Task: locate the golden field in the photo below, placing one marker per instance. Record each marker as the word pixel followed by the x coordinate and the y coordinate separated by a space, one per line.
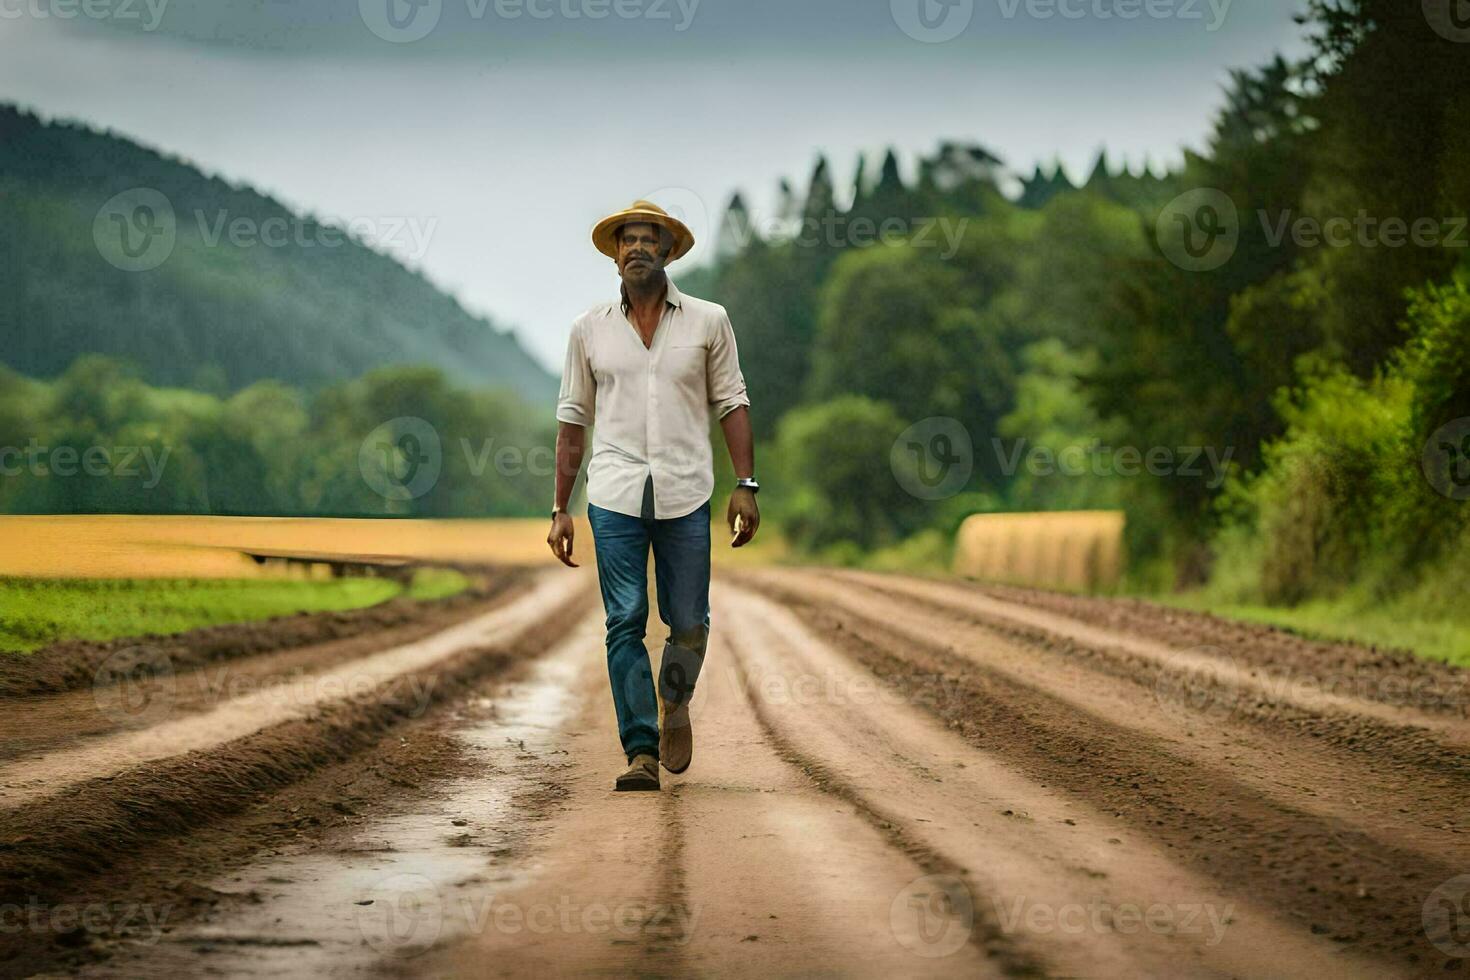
pixel 126 546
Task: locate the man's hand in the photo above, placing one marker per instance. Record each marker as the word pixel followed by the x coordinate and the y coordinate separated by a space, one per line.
pixel 560 539
pixel 742 505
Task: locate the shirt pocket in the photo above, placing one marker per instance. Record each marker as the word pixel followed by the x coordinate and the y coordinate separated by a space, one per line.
pixel 684 365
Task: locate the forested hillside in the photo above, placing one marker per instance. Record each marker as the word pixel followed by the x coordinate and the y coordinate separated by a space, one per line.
pixel 209 285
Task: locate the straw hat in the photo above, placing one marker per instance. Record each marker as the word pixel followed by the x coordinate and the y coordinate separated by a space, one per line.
pixel 645 212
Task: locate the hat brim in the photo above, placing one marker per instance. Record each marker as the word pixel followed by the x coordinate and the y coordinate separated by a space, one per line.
pixel 604 236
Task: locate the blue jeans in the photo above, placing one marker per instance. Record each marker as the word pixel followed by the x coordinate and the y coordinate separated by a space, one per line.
pixel 681 572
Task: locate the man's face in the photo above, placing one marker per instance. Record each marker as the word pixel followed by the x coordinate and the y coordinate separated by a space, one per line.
pixel 642 249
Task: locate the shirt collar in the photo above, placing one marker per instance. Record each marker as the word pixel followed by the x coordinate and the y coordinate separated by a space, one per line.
pixel 672 297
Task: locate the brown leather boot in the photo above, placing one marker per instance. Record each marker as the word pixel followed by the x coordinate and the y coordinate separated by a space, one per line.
pixel 641 774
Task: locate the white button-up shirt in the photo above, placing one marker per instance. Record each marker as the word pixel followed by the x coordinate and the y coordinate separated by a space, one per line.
pixel 649 407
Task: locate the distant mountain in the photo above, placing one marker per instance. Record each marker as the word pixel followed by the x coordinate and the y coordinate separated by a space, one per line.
pixel 110 247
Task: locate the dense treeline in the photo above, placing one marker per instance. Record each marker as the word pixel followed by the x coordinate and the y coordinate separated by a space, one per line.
pixel 1255 356
pixel 398 441
pixel 108 247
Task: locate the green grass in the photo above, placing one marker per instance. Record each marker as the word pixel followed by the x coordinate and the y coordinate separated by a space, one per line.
pixel 1402 623
pixel 436 583
pixel 36 612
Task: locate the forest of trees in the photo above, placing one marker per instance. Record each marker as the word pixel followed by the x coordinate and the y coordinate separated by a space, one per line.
pixel 1312 371
pixel 99 439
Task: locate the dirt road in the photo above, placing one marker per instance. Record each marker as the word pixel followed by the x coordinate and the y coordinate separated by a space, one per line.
pixel 893 776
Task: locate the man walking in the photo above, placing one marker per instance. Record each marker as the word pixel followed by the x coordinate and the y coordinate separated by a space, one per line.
pixel 646 372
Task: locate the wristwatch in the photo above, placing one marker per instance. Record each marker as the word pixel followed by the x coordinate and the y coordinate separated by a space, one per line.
pixel 749 483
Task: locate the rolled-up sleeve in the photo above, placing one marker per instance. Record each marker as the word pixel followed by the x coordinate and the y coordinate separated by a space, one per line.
pixel 726 383
pixel 578 397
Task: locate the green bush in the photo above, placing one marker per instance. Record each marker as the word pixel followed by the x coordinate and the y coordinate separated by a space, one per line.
pixel 1341 499
pixel 842 487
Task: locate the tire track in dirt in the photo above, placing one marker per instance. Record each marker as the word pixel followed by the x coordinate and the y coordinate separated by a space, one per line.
pixel 52 839
pixel 1302 696
pixel 1391 676
pixel 193 680
pixel 28 780
pixel 1296 770
pixel 1367 893
pixel 377 893
pixel 1060 877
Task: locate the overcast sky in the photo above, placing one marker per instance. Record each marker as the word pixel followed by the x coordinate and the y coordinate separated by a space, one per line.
pixel 486 136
